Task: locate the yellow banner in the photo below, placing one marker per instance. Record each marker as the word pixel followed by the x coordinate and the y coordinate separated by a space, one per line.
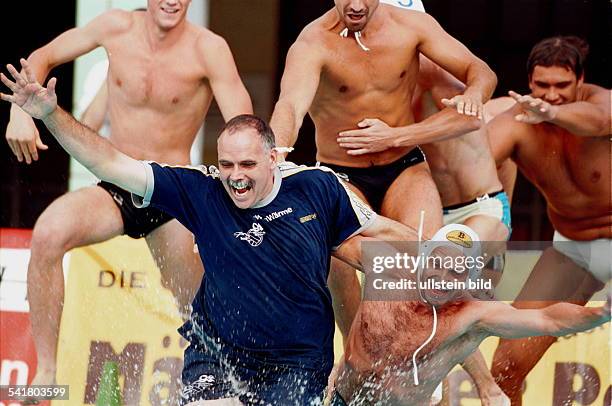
pixel 116 309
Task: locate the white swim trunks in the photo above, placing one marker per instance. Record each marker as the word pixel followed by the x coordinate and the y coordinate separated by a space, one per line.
pixel 493 205
pixel 595 256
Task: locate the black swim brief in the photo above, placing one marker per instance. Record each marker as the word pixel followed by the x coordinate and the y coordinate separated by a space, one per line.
pixel 374 181
pixel 137 223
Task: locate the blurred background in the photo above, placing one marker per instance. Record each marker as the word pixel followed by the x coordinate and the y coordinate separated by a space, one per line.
pixel 259 33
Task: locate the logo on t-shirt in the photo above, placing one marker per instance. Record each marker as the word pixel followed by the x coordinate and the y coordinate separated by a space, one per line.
pixel 254 236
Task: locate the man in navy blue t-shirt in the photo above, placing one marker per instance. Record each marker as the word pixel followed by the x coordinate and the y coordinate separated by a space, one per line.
pixel 262 326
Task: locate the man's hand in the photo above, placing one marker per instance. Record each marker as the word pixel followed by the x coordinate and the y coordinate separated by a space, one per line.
pixel 374 135
pixel 466 105
pixel 28 94
pixel 535 110
pixel 23 138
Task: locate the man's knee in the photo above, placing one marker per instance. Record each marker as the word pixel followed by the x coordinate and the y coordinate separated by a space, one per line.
pixel 49 237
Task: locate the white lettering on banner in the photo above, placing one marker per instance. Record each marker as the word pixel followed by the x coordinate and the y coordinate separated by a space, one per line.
pixel 9 367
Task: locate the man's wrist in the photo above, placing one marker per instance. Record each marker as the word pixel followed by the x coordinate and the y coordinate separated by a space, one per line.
pixel 553 112
pixel 50 115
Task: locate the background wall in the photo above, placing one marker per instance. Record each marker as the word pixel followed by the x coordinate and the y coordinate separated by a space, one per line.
pixel 260 32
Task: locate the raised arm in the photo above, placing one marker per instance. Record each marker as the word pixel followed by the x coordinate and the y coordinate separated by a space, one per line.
pixel 558 320
pixel 589 117
pixel 228 89
pixel 445 124
pixel 21 134
pixel 298 87
pixel 93 151
pixel 454 57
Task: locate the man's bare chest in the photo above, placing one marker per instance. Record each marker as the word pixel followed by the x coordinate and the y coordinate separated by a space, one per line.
pixel 158 81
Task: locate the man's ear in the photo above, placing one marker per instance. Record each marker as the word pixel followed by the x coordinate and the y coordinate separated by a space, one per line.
pixel 273 155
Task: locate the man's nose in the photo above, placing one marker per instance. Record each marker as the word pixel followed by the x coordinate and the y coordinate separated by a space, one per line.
pixel 552 95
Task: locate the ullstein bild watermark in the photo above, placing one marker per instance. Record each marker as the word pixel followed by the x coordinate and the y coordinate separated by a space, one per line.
pixel 497 271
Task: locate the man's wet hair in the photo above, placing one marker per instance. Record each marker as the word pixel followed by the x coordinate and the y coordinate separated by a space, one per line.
pixel 245 121
pixel 566 51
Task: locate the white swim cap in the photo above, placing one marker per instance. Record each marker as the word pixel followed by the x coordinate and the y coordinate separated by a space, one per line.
pixel 416 5
pixel 456 236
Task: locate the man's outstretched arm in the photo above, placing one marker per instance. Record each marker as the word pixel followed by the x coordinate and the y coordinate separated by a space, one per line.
pixel 589 117
pixel 298 87
pixel 556 320
pixel 94 152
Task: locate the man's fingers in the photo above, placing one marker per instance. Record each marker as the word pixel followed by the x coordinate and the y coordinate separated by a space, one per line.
pixel 365 123
pixel 40 144
pixel 474 110
pixel 16 75
pixel 523 118
pixel 9 83
pixel 514 95
pixel 33 152
pixel 461 107
pixel 28 71
pixel 358 151
pixel 20 156
pixel 25 150
pixel 350 145
pixel 8 98
pixel 11 144
pixel 448 102
pixel 351 133
pixel 51 87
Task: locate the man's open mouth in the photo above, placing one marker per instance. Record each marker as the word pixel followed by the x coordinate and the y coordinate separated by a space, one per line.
pixel 240 188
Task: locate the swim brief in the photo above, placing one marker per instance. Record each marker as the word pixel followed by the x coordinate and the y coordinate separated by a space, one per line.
pixel 137 223
pixel 494 204
pixel 374 181
pixel 593 256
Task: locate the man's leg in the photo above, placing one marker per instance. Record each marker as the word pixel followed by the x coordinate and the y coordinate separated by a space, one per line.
pixel 412 192
pixel 488 228
pixel 553 277
pixel 181 268
pixel 345 288
pixel 78 218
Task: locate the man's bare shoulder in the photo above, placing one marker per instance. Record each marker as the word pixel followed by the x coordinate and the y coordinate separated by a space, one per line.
pixel 115 21
pixel 317 36
pixel 207 40
pixel 408 19
pixel 317 31
pixel 595 94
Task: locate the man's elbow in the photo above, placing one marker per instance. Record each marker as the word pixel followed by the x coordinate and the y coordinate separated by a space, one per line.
pixel 41 58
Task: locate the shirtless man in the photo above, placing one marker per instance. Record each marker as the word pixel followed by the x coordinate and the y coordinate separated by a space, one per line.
pixel 162 76
pixel 386 369
pixel 338 80
pixel 559 136
pixel 465 174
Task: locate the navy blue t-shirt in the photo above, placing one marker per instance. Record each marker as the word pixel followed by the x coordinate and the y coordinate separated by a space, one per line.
pixel 265 284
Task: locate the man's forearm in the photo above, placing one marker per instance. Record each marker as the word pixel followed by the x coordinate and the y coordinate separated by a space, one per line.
pixel 583 118
pixel 284 124
pixel 443 125
pixel 569 318
pixel 481 81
